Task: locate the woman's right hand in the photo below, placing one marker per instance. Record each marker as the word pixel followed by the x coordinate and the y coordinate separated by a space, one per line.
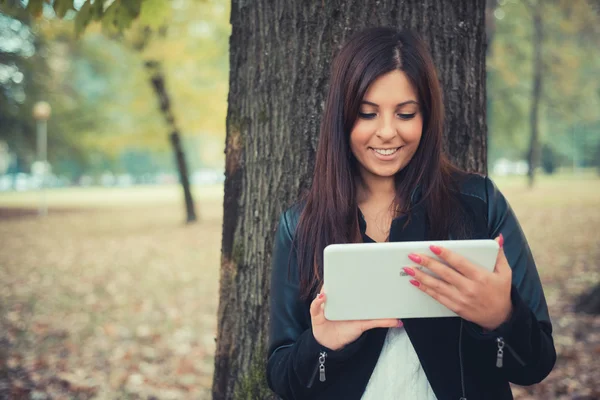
pixel 337 334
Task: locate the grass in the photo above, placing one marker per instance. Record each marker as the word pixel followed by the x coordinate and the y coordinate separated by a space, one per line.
pixel 113 296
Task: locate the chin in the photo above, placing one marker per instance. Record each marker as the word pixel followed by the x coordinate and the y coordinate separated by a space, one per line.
pixel 385 173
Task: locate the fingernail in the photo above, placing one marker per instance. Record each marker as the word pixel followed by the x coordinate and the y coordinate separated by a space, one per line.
pixel 415 283
pixel 409 271
pixel 501 240
pixel 436 250
pixel 400 324
pixel 320 296
pixel 414 258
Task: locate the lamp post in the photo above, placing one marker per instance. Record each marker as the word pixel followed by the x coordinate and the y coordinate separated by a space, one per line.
pixel 41 113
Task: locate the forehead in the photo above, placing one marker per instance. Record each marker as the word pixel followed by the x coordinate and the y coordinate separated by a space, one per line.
pixel 390 89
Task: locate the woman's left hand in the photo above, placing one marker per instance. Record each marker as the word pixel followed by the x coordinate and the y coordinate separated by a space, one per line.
pixel 473 293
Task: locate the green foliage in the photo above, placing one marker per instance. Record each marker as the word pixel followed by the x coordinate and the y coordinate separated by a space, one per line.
pixel 570 88
pixel 102 103
pixel 155 13
pixel 116 16
pixel 62 6
pixel 120 14
pixel 35 7
pixel 84 17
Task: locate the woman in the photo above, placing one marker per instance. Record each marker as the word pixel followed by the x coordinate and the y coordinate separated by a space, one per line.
pixel 380 175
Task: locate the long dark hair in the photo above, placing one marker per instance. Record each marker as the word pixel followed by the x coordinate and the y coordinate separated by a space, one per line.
pixel 330 207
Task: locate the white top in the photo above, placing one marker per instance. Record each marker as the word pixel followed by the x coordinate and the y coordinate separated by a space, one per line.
pixel 398 373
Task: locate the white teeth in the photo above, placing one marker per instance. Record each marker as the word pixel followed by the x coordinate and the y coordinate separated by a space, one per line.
pixel 386 152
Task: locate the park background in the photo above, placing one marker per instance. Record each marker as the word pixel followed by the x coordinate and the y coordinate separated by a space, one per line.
pixel 114 293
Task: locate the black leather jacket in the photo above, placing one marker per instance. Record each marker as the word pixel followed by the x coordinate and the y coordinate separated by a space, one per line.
pixel 459 359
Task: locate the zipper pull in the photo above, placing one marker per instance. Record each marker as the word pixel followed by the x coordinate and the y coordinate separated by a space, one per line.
pixel 500 355
pixel 322 366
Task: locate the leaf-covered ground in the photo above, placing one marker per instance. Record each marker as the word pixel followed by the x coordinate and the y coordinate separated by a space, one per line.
pixel 106 302
pixel 561 219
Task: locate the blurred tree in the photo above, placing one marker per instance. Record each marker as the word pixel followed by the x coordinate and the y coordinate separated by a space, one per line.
pixel 548 158
pixel 33 68
pixel 535 8
pixel 564 36
pixel 280 58
pixel 20 61
pixel 205 40
pixel 567 61
pixel 117 16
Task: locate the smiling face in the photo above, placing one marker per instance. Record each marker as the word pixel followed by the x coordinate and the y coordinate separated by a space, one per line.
pixel 388 128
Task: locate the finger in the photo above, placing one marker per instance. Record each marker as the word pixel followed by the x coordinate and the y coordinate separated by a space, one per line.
pixel 449 275
pixel 447 301
pixel 436 284
pixel 458 262
pixel 502 266
pixel 380 323
pixel 316 308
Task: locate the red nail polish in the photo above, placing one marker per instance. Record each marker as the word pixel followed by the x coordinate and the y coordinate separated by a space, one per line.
pixel 415 283
pixel 400 324
pixel 415 258
pixel 409 271
pixel 436 250
pixel 501 240
pixel 320 296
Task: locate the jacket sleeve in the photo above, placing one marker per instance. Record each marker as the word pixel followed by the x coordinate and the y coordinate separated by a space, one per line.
pixel 293 351
pixel 529 354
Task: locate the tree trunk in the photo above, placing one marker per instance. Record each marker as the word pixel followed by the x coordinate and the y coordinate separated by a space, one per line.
pixel 534 146
pixel 183 176
pixel 281 53
pixel 158 83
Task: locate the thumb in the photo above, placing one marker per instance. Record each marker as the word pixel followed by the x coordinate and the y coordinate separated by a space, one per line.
pixel 316 309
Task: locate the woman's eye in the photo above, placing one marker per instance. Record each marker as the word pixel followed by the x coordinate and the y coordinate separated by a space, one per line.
pixel 407 116
pixel 367 115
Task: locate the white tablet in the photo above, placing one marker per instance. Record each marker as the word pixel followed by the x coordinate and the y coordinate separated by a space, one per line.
pixel 366 280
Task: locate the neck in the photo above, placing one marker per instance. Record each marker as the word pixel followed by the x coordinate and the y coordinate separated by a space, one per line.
pixel 376 189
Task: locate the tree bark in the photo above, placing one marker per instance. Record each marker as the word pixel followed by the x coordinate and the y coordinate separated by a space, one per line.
pixel 280 59
pixel 533 154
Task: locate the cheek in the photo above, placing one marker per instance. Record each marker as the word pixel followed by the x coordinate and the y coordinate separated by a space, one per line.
pixel 411 134
pixel 360 135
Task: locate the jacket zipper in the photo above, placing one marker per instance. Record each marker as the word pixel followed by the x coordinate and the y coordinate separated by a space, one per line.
pixel 500 353
pixel 322 357
pixel 499 361
pixel 320 368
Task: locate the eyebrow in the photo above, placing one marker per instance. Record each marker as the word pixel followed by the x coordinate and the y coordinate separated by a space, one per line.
pixel 397 105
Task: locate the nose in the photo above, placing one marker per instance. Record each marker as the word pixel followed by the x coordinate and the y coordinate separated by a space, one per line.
pixel 386 130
